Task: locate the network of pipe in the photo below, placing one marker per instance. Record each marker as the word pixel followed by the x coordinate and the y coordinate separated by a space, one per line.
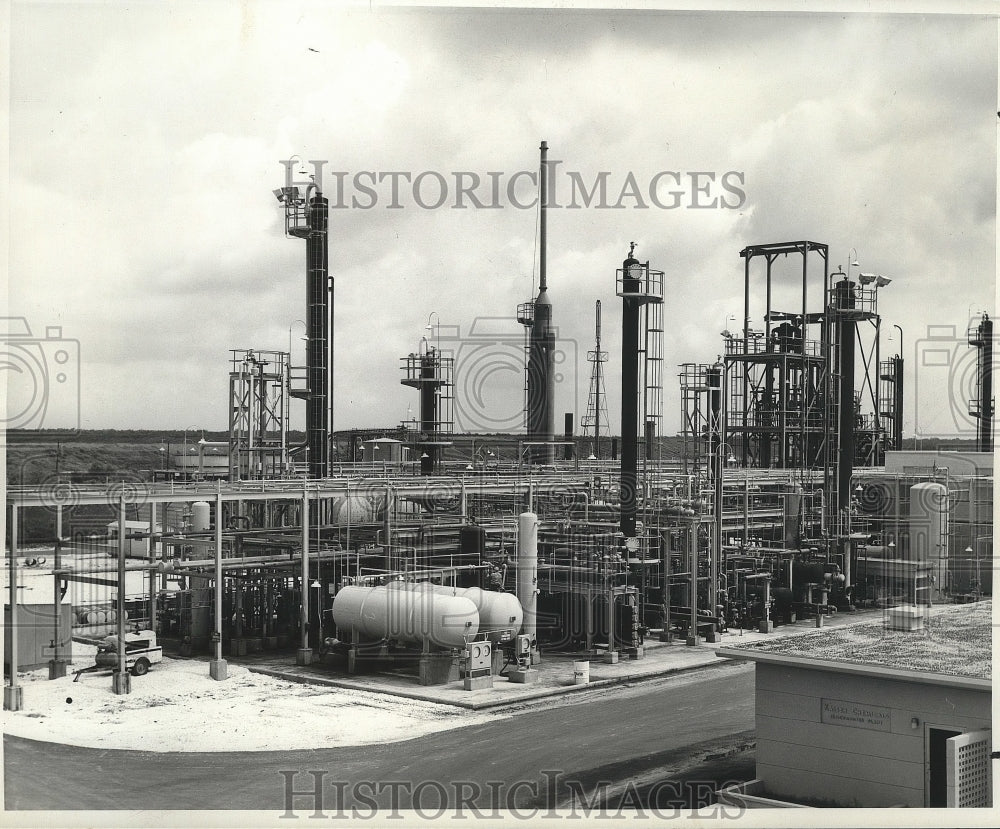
pixel 770 506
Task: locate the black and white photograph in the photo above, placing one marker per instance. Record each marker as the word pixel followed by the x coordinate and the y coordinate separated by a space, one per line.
pixel 423 413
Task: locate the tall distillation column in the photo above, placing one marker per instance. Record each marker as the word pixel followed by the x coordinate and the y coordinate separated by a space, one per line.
pixel 981 406
pixel 431 373
pixel 637 285
pixel 843 301
pixel 541 348
pixel 307 217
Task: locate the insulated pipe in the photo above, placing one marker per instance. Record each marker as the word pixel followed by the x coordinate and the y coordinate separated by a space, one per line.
pixel 630 395
pixel 121 586
pixel 527 570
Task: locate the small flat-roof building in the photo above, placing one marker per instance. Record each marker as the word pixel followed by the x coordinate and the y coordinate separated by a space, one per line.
pixel 868 715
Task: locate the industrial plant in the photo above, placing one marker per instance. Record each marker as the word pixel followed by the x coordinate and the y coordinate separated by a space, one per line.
pixel 468 560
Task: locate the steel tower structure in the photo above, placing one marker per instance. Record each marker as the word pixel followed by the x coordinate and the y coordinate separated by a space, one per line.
pixel 431 374
pixel 258 429
pixel 596 417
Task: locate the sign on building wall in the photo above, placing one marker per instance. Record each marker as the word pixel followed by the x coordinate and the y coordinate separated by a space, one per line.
pixel 854 714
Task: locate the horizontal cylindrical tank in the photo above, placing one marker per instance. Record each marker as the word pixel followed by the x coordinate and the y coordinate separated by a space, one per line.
pixel 406 612
pixel 498 612
pixel 201 516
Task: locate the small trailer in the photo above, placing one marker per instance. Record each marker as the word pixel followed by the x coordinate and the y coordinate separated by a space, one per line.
pixel 141 651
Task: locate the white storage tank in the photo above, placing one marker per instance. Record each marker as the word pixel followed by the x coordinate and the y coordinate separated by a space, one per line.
pixel 201 516
pixel 406 612
pixel 499 613
pixel 928 522
pixel 929 528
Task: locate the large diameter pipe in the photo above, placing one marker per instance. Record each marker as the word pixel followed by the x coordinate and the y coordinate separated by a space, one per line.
pixel 527 570
pixel 406 612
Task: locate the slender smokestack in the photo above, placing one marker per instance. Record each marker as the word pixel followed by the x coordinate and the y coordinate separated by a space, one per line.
pixel 543 195
pixel 541 348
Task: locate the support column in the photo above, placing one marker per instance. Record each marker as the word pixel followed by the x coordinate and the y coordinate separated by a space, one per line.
pixel 121 680
pixel 57 665
pixel 303 656
pixel 692 637
pixel 13 696
pixel 152 562
pixel 217 667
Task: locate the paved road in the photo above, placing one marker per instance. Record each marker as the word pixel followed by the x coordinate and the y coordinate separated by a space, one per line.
pixel 631 729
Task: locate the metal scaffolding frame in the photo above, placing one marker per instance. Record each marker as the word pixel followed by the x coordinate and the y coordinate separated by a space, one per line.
pixel 258 414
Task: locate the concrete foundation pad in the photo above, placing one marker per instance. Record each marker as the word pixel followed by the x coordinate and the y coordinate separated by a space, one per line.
pixel 13 698
pixel 693 641
pixel 475 683
pixel 766 626
pixel 636 653
pixel 303 656
pixel 610 658
pixel 57 668
pixel 713 637
pixel 554 675
pixel 218 669
pixel 666 636
pixel 121 683
pixel 438 669
pixel 523 676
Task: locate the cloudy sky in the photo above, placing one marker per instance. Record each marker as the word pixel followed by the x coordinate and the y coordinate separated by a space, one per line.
pixel 146 139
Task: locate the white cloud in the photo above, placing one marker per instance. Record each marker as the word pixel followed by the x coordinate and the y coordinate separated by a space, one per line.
pixel 143 159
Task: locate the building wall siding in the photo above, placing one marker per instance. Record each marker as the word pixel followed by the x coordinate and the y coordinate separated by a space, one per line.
pixel 800 756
